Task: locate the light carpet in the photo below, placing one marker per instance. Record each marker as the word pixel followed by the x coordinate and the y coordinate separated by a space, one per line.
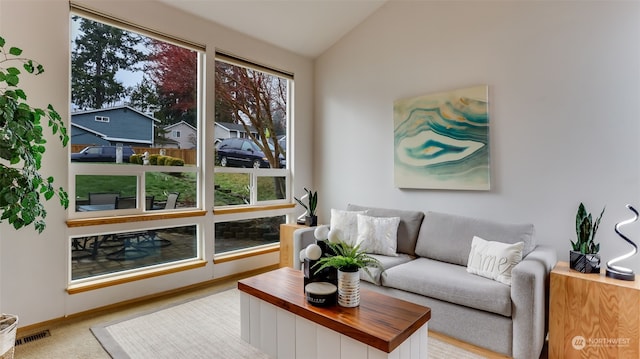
pixel 207 327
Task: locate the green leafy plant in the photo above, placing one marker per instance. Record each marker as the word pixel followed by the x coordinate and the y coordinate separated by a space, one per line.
pixel 312 199
pixel 347 258
pixel 22 144
pixel 586 230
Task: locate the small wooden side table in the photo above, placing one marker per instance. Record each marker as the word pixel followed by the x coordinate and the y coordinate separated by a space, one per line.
pixel 593 316
pixel 286 243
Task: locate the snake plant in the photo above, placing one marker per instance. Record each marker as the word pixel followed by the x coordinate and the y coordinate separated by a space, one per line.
pixel 586 230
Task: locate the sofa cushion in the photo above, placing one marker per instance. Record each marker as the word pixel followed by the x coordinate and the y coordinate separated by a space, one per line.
pixel 494 260
pixel 408 228
pixel 451 283
pixel 378 235
pixel 387 262
pixel 347 223
pixel 448 237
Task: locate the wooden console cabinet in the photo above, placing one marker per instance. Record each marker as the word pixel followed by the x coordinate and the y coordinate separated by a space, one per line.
pixel 593 316
pixel 286 243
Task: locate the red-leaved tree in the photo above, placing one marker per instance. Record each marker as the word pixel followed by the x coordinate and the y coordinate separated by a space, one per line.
pixel 174 71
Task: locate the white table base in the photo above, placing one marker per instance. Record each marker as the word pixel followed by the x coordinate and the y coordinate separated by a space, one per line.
pixel 282 334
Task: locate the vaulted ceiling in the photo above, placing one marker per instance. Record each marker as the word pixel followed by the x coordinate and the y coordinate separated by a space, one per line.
pixel 306 27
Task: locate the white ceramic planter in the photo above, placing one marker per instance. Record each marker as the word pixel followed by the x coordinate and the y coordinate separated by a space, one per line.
pixel 349 288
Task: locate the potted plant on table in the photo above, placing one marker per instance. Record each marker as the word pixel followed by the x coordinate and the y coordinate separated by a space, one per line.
pixel 311 219
pixel 584 256
pixel 348 260
pixel 21 147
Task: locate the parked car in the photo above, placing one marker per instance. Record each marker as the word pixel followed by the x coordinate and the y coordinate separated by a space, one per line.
pixel 101 154
pixel 243 152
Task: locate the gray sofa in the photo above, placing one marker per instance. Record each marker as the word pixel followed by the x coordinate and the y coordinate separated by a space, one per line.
pixel 431 269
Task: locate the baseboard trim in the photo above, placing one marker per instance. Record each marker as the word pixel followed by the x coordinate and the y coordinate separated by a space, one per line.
pixel 28 329
pixel 466 346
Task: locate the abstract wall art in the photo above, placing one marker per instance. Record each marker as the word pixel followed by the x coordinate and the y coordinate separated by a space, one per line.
pixel 441 141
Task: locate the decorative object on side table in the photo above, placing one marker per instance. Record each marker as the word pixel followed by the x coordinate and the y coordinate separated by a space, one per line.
pixel 585 255
pixel 348 260
pixel 310 217
pixel 618 272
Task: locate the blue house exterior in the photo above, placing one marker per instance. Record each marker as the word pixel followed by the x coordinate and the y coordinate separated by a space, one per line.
pixel 112 126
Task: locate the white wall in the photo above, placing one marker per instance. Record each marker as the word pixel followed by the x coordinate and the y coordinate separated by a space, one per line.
pixel 564 82
pixel 34 268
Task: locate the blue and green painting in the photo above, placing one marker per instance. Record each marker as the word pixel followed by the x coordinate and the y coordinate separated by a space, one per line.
pixel 441 141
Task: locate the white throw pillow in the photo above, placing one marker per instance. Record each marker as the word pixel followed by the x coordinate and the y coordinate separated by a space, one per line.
pixel 378 235
pixel 494 260
pixel 347 223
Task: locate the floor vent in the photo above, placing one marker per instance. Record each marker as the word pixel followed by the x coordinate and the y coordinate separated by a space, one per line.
pixel 33 337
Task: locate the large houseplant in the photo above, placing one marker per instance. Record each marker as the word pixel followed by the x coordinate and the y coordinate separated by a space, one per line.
pixel 584 256
pixel 22 144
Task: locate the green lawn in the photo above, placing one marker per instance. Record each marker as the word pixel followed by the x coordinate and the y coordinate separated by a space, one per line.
pixel 231 188
pixel 158 184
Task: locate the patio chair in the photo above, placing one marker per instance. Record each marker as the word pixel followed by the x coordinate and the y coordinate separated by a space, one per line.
pixel 172 200
pixel 170 203
pixel 149 203
pixel 103 198
pixel 126 202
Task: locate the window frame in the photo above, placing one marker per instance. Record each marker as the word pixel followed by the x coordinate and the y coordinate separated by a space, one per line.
pixel 262 172
pixel 137 171
pixel 76 168
pixel 135 219
pixel 257 209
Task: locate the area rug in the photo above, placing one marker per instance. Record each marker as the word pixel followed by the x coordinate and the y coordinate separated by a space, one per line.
pixel 208 327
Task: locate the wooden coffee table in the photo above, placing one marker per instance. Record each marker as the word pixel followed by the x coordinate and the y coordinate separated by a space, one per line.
pixel 276 318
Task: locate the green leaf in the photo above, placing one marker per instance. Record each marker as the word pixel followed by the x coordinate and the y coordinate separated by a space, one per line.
pixel 21 94
pixel 2 42
pixel 13 71
pixel 15 51
pixel 12 80
pixel 28 66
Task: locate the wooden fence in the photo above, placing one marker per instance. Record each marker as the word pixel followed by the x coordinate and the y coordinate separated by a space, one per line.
pixel 188 156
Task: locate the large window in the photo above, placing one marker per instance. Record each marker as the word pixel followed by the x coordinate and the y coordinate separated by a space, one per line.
pixel 129 91
pixel 252 168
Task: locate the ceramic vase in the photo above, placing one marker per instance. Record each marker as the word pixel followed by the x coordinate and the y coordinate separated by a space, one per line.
pixel 311 221
pixel 585 263
pixel 348 288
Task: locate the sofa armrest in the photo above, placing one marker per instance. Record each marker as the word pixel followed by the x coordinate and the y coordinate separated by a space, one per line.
pixel 530 300
pixel 301 239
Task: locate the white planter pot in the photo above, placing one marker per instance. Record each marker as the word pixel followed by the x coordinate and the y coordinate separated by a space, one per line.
pixel 8 326
pixel 349 288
